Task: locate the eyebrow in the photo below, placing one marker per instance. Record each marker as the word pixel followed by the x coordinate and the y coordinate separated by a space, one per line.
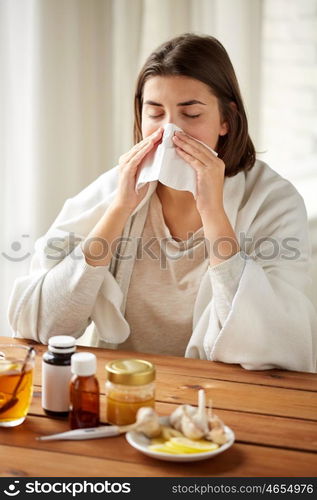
pixel 186 103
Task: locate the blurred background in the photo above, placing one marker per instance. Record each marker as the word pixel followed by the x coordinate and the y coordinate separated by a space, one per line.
pixel 67 75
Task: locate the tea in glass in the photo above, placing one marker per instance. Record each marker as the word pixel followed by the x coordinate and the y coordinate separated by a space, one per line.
pixel 16 387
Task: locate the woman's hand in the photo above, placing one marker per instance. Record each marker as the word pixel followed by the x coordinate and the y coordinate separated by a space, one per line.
pixel 127 199
pixel 210 172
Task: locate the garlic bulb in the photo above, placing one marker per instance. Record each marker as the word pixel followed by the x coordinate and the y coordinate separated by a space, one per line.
pixel 194 426
pixel 147 421
pixel 197 423
pixel 177 415
pixel 191 428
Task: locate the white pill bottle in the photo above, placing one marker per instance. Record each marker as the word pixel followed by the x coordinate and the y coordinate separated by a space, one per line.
pixel 56 375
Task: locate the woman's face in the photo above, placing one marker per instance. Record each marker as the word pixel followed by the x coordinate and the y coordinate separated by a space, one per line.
pixel 184 101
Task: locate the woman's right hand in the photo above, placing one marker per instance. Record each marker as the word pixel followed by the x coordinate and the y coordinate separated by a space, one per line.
pixel 127 198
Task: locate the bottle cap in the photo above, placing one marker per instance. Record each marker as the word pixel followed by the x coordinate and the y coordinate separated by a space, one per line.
pixel 83 364
pixel 62 344
pixel 130 371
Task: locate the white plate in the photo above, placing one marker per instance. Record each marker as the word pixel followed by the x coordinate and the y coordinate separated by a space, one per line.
pixel 141 443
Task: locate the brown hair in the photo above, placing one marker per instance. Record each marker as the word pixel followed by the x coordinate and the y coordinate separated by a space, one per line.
pixel 205 59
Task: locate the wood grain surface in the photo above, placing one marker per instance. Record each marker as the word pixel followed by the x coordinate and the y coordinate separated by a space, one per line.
pixel 273 414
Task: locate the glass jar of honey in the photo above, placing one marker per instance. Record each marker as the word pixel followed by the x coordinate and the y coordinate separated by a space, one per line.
pixel 130 385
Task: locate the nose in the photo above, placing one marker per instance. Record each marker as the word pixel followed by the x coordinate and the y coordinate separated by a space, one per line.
pixel 170 119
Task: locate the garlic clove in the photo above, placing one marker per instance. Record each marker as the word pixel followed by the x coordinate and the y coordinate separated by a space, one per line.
pixel 217 436
pixel 214 422
pixel 169 432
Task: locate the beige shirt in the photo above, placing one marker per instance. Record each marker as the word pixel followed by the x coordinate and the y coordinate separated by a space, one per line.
pixel 163 287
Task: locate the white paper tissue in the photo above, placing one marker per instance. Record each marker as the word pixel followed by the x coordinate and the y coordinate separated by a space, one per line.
pixel 165 165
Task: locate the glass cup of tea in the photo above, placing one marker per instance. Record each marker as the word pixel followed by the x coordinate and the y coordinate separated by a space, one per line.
pixel 16 383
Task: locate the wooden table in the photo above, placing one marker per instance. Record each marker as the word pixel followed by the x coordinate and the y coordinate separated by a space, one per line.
pixel 273 414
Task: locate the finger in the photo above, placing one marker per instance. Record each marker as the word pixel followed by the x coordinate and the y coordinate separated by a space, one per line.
pixel 192 151
pixel 155 136
pixel 147 144
pixel 139 155
pixel 193 147
pixel 193 161
pixel 125 158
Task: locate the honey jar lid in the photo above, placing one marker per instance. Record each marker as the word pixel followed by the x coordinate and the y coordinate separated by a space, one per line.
pixel 130 371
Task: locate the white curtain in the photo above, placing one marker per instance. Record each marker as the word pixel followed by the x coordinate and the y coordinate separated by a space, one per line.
pixel 67 76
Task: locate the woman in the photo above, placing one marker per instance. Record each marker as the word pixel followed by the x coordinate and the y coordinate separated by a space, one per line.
pixel 237 291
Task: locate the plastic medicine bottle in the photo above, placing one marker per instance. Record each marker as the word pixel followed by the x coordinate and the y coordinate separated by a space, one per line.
pixel 56 375
pixel 84 392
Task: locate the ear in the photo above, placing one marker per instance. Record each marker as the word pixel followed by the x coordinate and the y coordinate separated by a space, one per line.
pixel 224 127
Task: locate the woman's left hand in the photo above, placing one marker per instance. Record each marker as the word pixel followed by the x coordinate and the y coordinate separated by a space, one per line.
pixel 210 172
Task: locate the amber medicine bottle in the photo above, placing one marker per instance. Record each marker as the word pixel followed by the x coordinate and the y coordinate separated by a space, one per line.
pixel 84 392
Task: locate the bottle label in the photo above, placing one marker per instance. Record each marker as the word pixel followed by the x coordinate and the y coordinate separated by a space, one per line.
pixel 55 387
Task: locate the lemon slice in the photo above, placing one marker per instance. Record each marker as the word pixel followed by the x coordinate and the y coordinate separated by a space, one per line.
pixel 162 448
pixel 182 445
pixel 185 445
pixel 7 366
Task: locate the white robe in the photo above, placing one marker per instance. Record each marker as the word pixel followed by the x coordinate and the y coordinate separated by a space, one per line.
pixel 271 322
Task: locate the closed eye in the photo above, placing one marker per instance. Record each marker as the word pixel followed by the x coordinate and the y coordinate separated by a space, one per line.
pixel 184 114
